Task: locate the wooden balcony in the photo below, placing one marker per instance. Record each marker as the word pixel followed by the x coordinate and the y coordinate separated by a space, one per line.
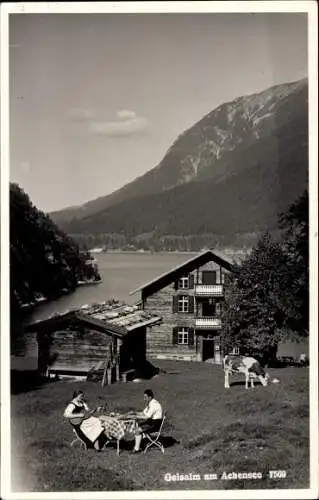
pixel 211 322
pixel 209 290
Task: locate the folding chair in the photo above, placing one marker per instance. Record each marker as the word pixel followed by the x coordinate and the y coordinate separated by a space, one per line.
pixel 78 439
pixel 153 438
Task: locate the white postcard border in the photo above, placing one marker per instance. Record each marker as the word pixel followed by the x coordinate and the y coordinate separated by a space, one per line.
pixel 309 7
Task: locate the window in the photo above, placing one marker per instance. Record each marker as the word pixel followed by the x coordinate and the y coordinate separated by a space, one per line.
pixel 182 338
pixel 235 350
pixel 209 277
pixel 183 282
pixel 182 304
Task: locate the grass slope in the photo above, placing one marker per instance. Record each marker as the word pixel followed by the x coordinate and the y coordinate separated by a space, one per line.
pixel 209 430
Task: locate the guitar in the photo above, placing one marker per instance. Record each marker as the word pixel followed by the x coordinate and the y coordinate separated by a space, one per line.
pixel 84 415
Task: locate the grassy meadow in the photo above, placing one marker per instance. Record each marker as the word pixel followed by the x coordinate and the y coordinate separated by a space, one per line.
pixel 209 430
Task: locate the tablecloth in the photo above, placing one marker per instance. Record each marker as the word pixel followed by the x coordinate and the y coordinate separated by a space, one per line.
pixel 116 428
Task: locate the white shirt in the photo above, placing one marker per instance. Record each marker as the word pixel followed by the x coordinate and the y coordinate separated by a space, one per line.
pixel 153 410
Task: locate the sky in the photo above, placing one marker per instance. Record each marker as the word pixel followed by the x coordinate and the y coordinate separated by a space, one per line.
pixel 96 100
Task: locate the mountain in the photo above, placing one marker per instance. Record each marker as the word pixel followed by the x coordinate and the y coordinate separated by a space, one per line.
pixel 232 172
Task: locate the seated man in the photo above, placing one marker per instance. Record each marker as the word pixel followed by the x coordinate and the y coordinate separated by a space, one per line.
pixel 153 414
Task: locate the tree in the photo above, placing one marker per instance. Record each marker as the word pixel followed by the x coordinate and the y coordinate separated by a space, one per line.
pixel 252 314
pixel 267 298
pixel 295 301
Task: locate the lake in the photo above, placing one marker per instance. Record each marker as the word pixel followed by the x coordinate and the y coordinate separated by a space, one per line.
pixel 122 272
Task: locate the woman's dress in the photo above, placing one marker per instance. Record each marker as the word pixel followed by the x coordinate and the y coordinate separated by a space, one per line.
pixel 91 426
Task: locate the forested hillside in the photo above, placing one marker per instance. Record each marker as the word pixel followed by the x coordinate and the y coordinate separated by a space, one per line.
pixel 44 261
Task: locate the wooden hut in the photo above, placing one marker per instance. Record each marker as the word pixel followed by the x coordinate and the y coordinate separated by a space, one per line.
pixel 107 336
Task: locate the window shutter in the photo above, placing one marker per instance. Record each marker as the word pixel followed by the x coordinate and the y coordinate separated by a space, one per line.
pixel 191 337
pixel 191 304
pixel 191 281
pixel 175 335
pixel 175 299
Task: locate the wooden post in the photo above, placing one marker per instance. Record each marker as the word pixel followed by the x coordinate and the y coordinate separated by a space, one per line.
pixel 109 376
pixel 117 368
pixel 118 358
pixel 108 365
pixel 104 374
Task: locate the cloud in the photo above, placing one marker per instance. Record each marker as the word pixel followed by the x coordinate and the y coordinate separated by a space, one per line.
pixel 125 114
pixel 127 124
pixel 80 114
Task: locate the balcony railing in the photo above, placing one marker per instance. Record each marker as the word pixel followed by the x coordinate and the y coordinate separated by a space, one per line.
pixel 208 322
pixel 209 290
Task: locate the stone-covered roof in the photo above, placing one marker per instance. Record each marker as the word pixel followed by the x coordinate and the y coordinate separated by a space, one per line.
pixel 111 317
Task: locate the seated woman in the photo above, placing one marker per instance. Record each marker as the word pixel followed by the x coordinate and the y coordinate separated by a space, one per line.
pixel 153 415
pixel 88 428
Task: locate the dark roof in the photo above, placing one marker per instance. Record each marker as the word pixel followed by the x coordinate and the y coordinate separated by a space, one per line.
pixel 64 320
pixel 165 279
pixel 113 319
pixel 102 326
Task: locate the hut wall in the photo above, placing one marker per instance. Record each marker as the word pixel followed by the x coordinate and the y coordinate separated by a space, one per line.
pixel 73 350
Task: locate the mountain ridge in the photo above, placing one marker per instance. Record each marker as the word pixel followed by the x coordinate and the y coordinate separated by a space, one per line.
pixel 234 171
pixel 161 177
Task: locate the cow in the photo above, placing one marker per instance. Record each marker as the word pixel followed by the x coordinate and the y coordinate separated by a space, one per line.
pixel 303 359
pixel 247 365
